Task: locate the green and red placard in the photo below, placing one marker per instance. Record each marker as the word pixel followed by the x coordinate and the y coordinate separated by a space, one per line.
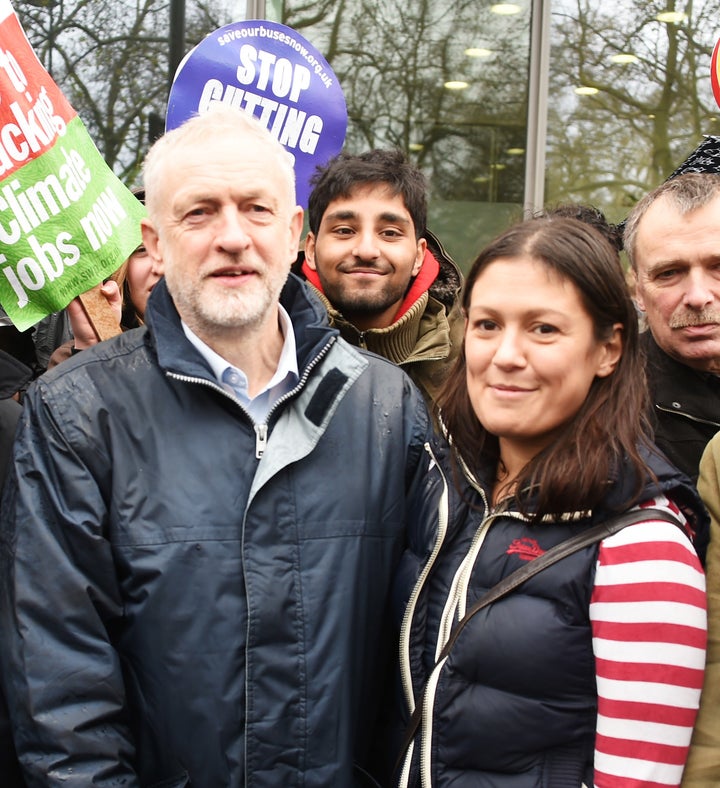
pixel 66 221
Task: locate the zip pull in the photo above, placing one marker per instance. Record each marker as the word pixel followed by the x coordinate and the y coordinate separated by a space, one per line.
pixel 260 439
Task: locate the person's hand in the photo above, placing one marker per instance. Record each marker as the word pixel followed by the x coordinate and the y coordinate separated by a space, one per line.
pixel 82 328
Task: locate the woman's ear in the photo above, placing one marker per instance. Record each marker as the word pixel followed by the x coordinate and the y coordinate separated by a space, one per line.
pixel 611 352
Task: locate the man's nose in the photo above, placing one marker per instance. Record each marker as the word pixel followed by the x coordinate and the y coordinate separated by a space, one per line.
pixel 699 292
pixel 232 234
pixel 366 247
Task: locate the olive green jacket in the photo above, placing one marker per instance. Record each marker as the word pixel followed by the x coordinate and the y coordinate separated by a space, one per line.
pixel 703 765
pixel 424 341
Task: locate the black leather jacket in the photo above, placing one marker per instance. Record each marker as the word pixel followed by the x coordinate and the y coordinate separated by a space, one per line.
pixel 685 407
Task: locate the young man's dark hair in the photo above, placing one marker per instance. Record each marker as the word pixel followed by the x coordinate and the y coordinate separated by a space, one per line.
pixel 342 174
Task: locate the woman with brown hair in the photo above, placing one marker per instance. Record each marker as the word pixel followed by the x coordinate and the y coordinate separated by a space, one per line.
pixel 589 673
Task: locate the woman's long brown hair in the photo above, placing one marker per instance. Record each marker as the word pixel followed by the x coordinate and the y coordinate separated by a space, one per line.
pixel 572 473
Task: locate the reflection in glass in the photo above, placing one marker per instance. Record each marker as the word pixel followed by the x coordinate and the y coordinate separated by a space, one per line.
pixel 653 101
pixel 629 97
pixel 445 82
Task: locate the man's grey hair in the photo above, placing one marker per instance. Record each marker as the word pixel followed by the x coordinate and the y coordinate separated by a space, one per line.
pixel 219 120
pixel 685 193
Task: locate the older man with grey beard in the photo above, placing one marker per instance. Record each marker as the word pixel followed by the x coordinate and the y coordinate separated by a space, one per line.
pixel 203 517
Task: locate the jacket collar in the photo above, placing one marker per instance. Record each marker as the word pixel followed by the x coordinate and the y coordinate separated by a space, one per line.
pixel 176 354
pixel 419 285
pixel 671 379
pixel 423 332
pixel 664 478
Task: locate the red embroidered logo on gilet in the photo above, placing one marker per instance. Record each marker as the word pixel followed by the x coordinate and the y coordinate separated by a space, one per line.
pixel 525 548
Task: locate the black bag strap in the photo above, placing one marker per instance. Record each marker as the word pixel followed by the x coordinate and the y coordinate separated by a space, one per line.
pixel 508 584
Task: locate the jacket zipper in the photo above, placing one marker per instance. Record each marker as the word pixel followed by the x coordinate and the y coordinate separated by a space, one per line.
pixel 687 416
pixel 428 699
pixel 261 430
pixel 405 626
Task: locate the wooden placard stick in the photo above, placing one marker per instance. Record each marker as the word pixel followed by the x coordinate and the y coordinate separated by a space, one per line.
pixel 99 313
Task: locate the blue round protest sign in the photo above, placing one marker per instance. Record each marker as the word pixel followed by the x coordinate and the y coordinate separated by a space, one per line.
pixel 269 71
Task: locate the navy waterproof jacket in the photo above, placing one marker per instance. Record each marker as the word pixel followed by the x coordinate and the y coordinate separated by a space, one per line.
pixel 186 600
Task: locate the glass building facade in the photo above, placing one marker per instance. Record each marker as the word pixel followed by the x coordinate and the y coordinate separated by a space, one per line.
pixel 511 106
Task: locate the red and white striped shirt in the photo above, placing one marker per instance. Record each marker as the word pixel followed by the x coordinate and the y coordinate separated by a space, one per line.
pixel 649 625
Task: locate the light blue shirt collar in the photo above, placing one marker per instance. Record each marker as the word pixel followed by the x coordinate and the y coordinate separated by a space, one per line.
pixel 234 380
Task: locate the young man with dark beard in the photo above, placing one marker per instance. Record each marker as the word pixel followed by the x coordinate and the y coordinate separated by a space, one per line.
pixel 385 280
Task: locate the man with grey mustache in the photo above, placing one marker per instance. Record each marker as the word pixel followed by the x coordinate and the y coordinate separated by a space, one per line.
pixel 672 239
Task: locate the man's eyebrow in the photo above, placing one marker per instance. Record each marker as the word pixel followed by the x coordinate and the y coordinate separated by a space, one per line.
pixel 653 268
pixel 346 215
pixel 667 262
pixel 394 218
pixel 182 202
pixel 711 258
